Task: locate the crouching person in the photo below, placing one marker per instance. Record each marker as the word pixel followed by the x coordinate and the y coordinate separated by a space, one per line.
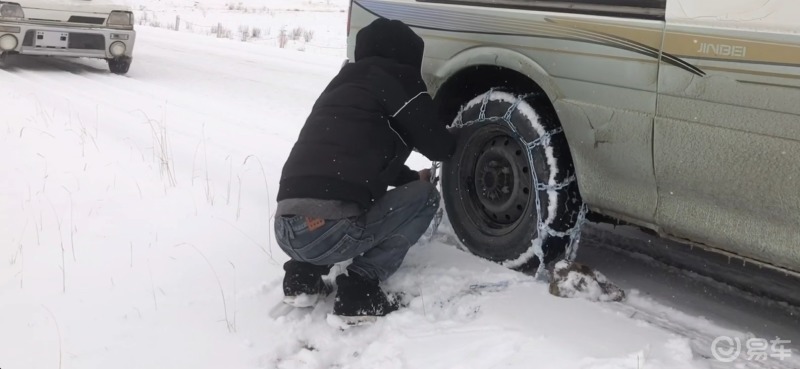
pixel 333 203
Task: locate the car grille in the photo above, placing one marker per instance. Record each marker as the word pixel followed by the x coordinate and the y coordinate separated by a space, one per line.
pixel 87 20
pixel 77 40
pixel 75 19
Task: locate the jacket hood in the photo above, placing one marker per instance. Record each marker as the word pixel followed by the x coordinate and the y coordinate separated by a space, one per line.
pixel 390 39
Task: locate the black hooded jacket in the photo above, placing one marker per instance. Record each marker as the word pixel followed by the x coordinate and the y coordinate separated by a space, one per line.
pixel 363 127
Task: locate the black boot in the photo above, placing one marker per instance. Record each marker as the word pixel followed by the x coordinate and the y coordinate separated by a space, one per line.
pixel 360 299
pixel 303 284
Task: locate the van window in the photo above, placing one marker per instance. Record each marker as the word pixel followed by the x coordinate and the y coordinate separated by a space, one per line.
pixel 648 9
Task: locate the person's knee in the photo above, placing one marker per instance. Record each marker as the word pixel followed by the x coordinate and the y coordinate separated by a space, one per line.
pixel 428 195
pixel 432 192
pixel 431 204
pixel 422 196
pixel 433 199
pixel 434 195
pixel 425 189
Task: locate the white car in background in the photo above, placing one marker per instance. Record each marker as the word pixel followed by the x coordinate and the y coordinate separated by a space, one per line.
pixel 68 28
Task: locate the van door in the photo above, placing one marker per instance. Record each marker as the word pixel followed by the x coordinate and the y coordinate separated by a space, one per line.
pixel 727 131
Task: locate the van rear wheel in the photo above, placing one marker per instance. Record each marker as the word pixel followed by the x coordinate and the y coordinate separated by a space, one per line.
pixel 510 190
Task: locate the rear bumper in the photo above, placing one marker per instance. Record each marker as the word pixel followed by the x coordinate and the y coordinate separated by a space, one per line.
pixel 89 42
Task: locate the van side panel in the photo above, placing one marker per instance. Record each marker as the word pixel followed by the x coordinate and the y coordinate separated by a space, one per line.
pixel 599 72
pixel 727 140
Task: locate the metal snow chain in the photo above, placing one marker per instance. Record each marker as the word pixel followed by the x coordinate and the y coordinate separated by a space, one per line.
pixel 545 138
pixel 557 186
pixel 573 233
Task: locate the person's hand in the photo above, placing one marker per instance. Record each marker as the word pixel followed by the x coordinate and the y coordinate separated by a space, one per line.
pixel 425 175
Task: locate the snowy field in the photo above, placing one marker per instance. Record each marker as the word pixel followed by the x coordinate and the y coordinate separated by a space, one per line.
pixel 317 26
pixel 135 216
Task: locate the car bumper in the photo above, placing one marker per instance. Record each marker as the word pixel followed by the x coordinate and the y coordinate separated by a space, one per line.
pixel 89 42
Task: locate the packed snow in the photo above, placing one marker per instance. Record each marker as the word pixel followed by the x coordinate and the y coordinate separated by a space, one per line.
pixel 136 216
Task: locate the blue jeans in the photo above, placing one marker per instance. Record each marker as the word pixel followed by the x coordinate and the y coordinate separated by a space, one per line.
pixel 377 240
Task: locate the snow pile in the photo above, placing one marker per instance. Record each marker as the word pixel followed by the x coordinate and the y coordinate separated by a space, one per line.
pixel 572 279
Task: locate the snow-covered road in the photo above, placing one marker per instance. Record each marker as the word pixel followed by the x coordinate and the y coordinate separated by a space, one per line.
pixel 136 233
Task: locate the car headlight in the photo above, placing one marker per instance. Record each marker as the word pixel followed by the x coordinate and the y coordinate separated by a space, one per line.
pixel 11 11
pixel 8 42
pixel 120 19
pixel 117 49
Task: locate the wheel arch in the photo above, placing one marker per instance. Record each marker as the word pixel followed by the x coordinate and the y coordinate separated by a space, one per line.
pixel 476 70
pixel 472 72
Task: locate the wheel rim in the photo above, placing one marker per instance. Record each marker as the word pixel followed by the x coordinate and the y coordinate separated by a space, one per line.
pixel 499 182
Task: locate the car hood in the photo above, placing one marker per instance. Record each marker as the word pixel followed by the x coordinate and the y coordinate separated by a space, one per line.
pixel 32 7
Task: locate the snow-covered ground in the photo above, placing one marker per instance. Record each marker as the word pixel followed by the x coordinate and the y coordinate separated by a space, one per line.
pixel 135 216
